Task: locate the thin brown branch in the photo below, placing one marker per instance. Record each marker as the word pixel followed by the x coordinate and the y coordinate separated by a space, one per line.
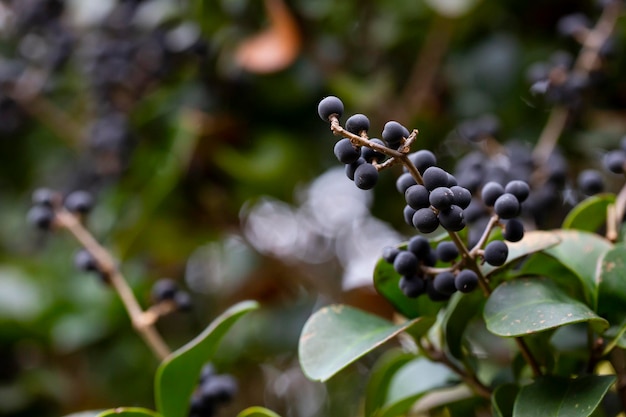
pixel 108 267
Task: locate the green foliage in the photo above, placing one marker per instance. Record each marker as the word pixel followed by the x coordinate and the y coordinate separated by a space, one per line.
pixel 257 412
pixel 590 214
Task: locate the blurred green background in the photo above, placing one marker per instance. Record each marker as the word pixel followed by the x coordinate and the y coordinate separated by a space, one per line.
pixel 194 124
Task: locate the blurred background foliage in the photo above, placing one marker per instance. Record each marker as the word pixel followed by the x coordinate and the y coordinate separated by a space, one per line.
pixel 194 123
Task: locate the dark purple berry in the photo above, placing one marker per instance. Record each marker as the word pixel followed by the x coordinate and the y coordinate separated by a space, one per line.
pixel 44 197
pixel 590 182
pixel 408 213
pixel 365 176
pixel 432 292
pixel 404 181
pixel 452 219
pixel 496 253
pixel 513 230
pixel 412 286
pixel 79 202
pixel 435 177
pixel 447 251
pixel 441 198
pixel 164 289
pixel 329 106
pixel 444 283
pixel 357 123
pixel 183 302
pixel 393 133
pixel 84 261
pixel 345 152
pixel 419 246
pixel 519 189
pixel 423 159
pixel 466 281
pixel 405 263
pixel 490 193
pixel 462 196
pixel 370 155
pixel 615 161
pixel 218 389
pixel 425 220
pixel 417 196
pixel 507 206
pixel 350 168
pixel 41 217
pixel 390 253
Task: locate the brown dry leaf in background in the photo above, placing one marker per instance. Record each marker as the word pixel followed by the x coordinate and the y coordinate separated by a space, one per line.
pixel 274 48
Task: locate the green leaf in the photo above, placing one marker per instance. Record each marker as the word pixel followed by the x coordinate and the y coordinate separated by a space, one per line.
pixel 580 252
pixel 552 396
pixel 590 214
pixel 412 381
pixel 337 335
pixel 128 412
pixel 257 412
pixel 611 288
pixel 503 400
pixel 386 282
pixel 530 305
pixel 541 264
pixel 381 376
pixel 177 375
pixel 533 241
pixel 460 311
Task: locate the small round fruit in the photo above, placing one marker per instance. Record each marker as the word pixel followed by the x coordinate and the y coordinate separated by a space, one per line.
pixel 408 213
pixel 350 168
pixel 444 283
pixel 507 206
pixel 79 202
pixel 393 133
pixel 462 196
pixel 435 177
pixel 420 246
pixel 412 286
pixel 447 251
pixel 615 161
pixel 405 263
pixel 164 289
pixel 590 182
pixel 417 196
pixel 433 294
pixel 218 389
pixel 41 217
pixel 357 123
pixel 370 155
pixel 328 106
pixel 423 159
pixel 452 219
pixel 365 176
pixel 441 198
pixel 390 253
pixel 84 261
pixel 425 220
pixel 44 197
pixel 404 181
pixel 496 252
pixel 183 302
pixel 490 193
pixel 513 230
pixel 466 281
pixel 519 189
pixel 345 152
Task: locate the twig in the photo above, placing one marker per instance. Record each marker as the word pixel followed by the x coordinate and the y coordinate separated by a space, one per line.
pixel 107 266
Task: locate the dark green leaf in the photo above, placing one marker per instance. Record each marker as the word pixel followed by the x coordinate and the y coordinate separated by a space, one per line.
pixel 530 305
pixel 541 264
pixel 611 288
pixel 335 336
pixel 460 311
pixel 380 378
pixel 590 214
pixel 128 412
pixel 503 399
pixel 561 397
pixel 533 241
pixel 177 376
pixel 257 412
pixel 412 381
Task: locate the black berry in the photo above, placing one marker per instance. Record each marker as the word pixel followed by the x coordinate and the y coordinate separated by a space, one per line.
pixel 423 159
pixel 513 230
pixel 417 196
pixel 404 181
pixel 41 217
pixel 496 253
pixel 507 206
pixel 350 168
pixel 435 177
pixel 412 286
pixel 466 281
pixel 329 106
pixel 357 123
pixel 432 292
pixel 44 197
pixel 447 251
pixel 345 152
pixel 452 219
pixel 419 246
pixel 183 302
pixel 408 213
pixel 365 176
pixel 441 198
pixel 490 193
pixel 405 263
pixel 79 202
pixel 425 220
pixel 462 196
pixel 393 133
pixel 519 189
pixel 164 289
pixel 615 161
pixel 390 253
pixel 84 261
pixel 370 154
pixel 590 182
pixel 444 283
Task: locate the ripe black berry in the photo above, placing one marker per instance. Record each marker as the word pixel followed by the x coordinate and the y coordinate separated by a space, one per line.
pixel 590 182
pixel 466 281
pixel 433 294
pixel 462 196
pixel 423 159
pixel 365 176
pixel 419 246
pixel 370 154
pixel 345 152
pixel 357 123
pixel 435 177
pixel 615 161
pixel 329 106
pixel 218 389
pixel 425 220
pixel 452 219
pixel 496 253
pixel 350 168
pixel 405 263
pixel 44 197
pixel 164 289
pixel 452 180
pixel 507 206
pixel 513 230
pixel 490 193
pixel 41 217
pixel 390 253
pixel 79 202
pixel 183 302
pixel 519 189
pixel 393 132
pixel 404 181
pixel 447 251
pixel 412 286
pixel 441 198
pixel 417 196
pixel 408 213
pixel 570 24
pixel 444 283
pixel 84 261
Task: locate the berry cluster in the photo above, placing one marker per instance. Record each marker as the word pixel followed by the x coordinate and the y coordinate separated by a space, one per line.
pixel 166 290
pixel 46 201
pixel 213 391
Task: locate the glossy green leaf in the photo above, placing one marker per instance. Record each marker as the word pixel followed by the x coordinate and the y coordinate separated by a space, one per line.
pixel 530 305
pixel 544 265
pixel 590 214
pixel 177 375
pixel 337 335
pixel 460 311
pixel 552 396
pixel 412 381
pixel 381 376
pixel 503 400
pixel 257 412
pixel 581 252
pixel 386 282
pixel 533 241
pixel 611 288
pixel 128 412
